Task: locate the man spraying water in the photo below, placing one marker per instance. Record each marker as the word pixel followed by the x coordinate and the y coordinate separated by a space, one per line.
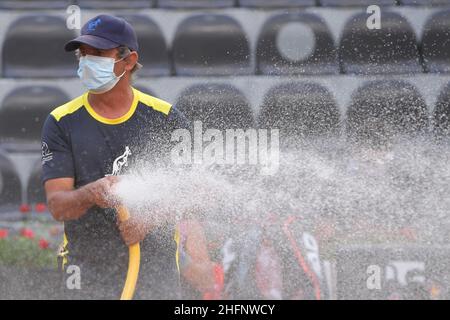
pixel 92 139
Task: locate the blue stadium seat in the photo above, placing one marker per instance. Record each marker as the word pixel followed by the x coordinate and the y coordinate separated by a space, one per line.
pixel 195 4
pixel 34 48
pixel 10 186
pixel 436 42
pixel 34 4
pixel 277 4
pixel 211 44
pixel 35 189
pixel 23 112
pixel 116 4
pixel 390 50
pixel 362 3
pixel 382 110
pixel 218 106
pixel 441 114
pixel 153 51
pixel 424 2
pixel 296 43
pixel 299 110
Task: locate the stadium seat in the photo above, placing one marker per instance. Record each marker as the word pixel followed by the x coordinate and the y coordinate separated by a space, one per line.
pixel 10 186
pixel 218 106
pixel 383 110
pixel 23 112
pixel 195 4
pixel 116 4
pixel 296 43
pixel 153 52
pixel 389 50
pixel 299 110
pixel 277 4
pixel 34 48
pixel 436 42
pixel 34 4
pixel 211 44
pixel 362 3
pixel 441 114
pixel 35 189
pixel 424 2
pixel 144 89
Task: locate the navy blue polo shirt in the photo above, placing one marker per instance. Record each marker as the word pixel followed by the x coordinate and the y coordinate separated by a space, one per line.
pixel 79 143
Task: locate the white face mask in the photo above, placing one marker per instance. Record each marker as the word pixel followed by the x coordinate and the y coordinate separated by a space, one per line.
pixel 97 73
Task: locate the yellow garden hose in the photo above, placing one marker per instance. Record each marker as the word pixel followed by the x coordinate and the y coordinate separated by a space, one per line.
pixel 133 262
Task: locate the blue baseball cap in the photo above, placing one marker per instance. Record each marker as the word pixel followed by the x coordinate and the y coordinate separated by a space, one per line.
pixel 105 32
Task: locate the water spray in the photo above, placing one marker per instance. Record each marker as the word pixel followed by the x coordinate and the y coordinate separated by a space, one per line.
pixel 134 258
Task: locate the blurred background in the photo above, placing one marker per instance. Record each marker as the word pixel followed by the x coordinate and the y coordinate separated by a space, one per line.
pixel 266 58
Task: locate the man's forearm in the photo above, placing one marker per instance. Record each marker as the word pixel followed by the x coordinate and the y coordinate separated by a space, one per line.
pixel 71 205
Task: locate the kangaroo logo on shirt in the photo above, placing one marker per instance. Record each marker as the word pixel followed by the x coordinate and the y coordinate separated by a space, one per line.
pixel 120 162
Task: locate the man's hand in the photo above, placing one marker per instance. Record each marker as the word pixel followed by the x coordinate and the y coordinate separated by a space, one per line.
pixel 134 229
pixel 100 192
pixel 67 203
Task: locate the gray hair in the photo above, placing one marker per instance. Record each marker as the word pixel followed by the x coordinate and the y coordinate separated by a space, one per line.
pixel 124 52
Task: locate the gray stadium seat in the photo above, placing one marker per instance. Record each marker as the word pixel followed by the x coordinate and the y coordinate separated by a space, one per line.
pixel 153 52
pixel 389 50
pixel 277 4
pixel 144 89
pixel 382 110
pixel 195 4
pixel 211 44
pixel 34 48
pixel 299 110
pixel 10 187
pixel 424 2
pixel 441 114
pixel 35 189
pixel 34 4
pixel 296 43
pixel 218 106
pixel 436 42
pixel 23 112
pixel 116 4
pixel 362 3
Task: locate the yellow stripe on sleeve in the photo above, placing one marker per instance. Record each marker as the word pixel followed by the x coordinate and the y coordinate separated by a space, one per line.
pixel 155 103
pixel 68 108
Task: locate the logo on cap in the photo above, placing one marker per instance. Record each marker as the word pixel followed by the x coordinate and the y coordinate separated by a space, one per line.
pixel 93 24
